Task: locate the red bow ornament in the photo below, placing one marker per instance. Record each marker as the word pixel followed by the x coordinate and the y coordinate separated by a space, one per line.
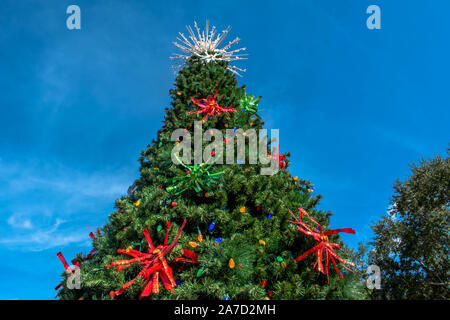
pixel 155 265
pixel 209 107
pixel 324 246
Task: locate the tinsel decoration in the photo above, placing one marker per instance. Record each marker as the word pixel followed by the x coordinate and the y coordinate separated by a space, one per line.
pixel 92 236
pixel 205 45
pixel 197 177
pixel 66 267
pixel 155 265
pixel 324 245
pixel 249 104
pixel 281 159
pixel 210 108
pixel 76 263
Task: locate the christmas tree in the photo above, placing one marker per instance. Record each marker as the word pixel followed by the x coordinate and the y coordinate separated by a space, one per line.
pixel 212 230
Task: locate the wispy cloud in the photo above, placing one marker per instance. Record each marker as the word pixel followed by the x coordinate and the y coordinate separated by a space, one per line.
pixel 46 205
pixel 44 238
pixel 19 222
pixel 33 175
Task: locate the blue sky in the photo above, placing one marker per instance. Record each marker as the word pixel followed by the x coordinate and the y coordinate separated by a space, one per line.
pixel 354 107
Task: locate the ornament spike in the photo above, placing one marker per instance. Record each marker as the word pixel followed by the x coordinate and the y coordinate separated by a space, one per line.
pixel 204 44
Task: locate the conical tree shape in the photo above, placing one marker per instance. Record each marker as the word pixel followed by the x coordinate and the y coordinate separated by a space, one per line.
pixel 238 225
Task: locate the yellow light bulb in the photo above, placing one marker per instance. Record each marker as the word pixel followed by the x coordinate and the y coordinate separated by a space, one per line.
pixel 193 244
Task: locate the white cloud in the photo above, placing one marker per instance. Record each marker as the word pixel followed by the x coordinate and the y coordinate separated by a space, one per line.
pixel 19 222
pixel 49 205
pixel 61 179
pixel 45 238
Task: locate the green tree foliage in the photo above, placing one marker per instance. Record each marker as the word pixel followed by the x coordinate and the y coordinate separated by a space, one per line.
pixel 411 244
pixel 244 206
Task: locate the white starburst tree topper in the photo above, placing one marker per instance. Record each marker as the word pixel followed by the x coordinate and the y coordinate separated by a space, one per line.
pixel 205 45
